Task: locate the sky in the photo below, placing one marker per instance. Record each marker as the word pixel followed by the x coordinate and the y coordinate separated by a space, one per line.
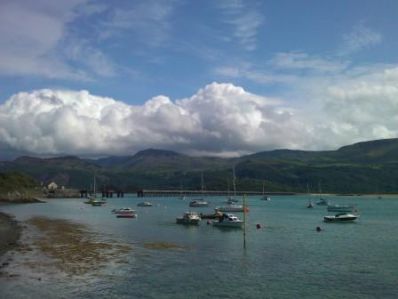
pixel 217 78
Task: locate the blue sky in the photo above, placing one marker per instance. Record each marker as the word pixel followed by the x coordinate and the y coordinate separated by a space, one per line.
pixel 303 74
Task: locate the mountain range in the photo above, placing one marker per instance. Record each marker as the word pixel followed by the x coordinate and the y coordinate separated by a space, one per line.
pixel 365 167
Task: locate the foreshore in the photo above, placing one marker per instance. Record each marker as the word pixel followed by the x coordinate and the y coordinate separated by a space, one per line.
pixel 10 232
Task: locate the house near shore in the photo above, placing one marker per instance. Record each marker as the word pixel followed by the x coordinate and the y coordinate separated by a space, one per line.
pixel 52 186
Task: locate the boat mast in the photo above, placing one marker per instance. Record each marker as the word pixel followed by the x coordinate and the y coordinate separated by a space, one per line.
pixel 244 221
pixel 234 180
pixel 202 184
pixel 94 187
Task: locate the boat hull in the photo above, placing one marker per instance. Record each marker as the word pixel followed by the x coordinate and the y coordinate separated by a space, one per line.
pixel 187 221
pixel 342 218
pixel 126 215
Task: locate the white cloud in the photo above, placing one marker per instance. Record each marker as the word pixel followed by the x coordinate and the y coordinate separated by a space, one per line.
pixel 359 38
pixel 245 20
pixel 37 39
pixel 220 118
pixel 91 58
pixel 29 34
pixel 303 61
pixel 149 22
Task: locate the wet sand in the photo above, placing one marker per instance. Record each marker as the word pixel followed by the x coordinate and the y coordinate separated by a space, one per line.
pixel 43 248
pixel 73 249
pixel 10 232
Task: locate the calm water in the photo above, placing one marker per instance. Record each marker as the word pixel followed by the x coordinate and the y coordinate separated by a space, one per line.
pixel 287 258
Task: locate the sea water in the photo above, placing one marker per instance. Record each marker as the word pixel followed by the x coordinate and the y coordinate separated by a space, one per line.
pixel 285 258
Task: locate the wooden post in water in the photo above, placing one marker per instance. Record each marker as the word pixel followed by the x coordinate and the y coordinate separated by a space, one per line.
pixel 244 221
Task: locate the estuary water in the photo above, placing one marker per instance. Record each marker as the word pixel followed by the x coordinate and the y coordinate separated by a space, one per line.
pixel 286 258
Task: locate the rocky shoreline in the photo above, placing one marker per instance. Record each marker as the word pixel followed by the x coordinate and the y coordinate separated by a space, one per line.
pixel 20 197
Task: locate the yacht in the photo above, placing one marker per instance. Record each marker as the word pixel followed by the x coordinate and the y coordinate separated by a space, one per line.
pixel 229 220
pixel 189 218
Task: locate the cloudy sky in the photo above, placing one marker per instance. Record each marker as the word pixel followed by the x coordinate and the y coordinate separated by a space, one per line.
pixel 225 78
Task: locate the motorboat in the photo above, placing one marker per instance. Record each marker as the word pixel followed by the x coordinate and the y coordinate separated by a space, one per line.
pixel 144 204
pixel 229 221
pixel 197 203
pixel 341 217
pixel 97 203
pixel 310 205
pixel 125 213
pixel 341 208
pixel 232 208
pixel 189 218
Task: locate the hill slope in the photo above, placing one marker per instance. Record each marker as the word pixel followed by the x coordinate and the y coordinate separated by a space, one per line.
pixel 364 167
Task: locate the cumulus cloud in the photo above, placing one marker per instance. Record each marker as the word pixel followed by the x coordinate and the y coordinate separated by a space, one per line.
pixel 218 119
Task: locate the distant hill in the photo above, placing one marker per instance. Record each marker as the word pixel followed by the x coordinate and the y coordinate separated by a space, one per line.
pixel 364 167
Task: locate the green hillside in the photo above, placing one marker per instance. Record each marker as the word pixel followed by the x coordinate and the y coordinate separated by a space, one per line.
pixel 366 167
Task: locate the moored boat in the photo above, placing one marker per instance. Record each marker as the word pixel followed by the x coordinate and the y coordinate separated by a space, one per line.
pixel 144 204
pixel 97 203
pixel 189 218
pixel 341 217
pixel 125 213
pixel 197 203
pixel 229 221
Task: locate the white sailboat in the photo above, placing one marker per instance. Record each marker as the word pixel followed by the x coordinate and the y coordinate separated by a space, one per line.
pixel 197 203
pixel 322 201
pixel 310 203
pixel 265 197
pixel 92 199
